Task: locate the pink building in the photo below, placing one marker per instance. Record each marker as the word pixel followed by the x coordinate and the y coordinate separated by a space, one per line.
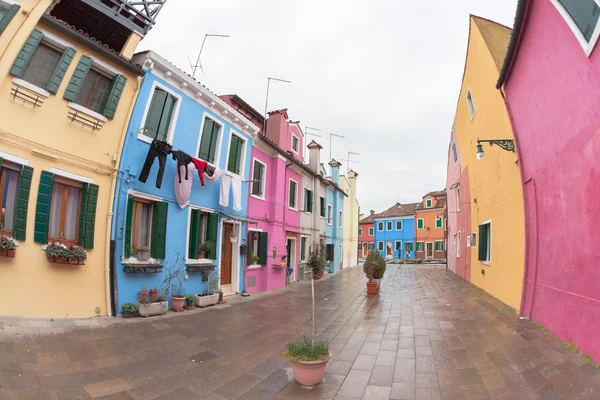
pixel 550 80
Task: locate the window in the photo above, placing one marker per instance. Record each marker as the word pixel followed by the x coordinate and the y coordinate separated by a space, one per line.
pixel 380 246
pixel 295 143
pixel 64 211
pixel 470 103
pixel 398 245
pixel 458 245
pixel 141 233
pixel 458 198
pixel 359 231
pixel 439 245
pixel 408 246
pixel 308 200
pixel 428 203
pixel 322 207
pixel 259 178
pixel 370 231
pixel 389 225
pixel 468 241
pixel 329 252
pixel 94 91
pixel 485 242
pixel 582 18
pixel 257 247
pixel 146 225
pixel 420 223
pixel 303 248
pixel 9 180
pixel 370 246
pixel 438 222
pixel 340 220
pixel 398 225
pixel 236 152
pixel 420 246
pixel 203 230
pixel 454 152
pixel 159 115
pixel 210 139
pixel 380 226
pixel 41 65
pixel 454 239
pixel 473 239
pixel 329 214
pixel 292 194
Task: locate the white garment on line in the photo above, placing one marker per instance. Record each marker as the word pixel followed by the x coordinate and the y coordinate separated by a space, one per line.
pixel 218 173
pixel 224 194
pixel 235 184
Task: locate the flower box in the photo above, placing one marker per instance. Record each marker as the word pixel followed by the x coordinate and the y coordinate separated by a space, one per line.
pixel 10 253
pixel 150 309
pixel 205 301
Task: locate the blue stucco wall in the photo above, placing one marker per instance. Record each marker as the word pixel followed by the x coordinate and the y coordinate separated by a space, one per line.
pixel 333 233
pixel 186 137
pixel 406 234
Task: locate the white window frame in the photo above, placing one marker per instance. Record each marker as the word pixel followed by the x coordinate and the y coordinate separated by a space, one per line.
pixel 359 231
pixel 439 218
pixel 171 133
pixel 474 236
pixel 297 151
pixel 458 244
pixel 241 175
pixel 389 226
pixel 382 226
pixel 189 227
pixel 489 242
pixel 470 104
pixel 401 225
pixel 371 231
pixel 219 141
pixel 468 240
pixel 457 198
pixel 306 249
pixel 329 214
pixel 296 194
pixel 380 244
pixel 428 203
pixel 305 188
pixel 587 47
pixel 341 216
pixel 420 219
pixel 439 241
pixel 263 184
pixel 324 202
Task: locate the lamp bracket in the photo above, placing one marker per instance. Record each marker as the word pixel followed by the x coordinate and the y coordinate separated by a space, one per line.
pixel 505 144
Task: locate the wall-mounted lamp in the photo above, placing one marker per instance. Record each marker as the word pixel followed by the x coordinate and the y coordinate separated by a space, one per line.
pixel 508 145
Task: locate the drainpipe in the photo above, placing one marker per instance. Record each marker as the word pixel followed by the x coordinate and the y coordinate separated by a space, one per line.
pixel 525 208
pixel 20 26
pixel 109 215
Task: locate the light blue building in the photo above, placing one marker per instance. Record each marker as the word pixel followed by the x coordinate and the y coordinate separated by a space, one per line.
pixel 334 220
pixel 395 231
pixel 172 107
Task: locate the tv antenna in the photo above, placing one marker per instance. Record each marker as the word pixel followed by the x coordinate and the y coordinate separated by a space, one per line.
pixel 198 64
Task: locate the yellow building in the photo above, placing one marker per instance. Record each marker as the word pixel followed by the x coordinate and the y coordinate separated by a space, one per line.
pixel 496 238
pixel 67 88
pixel 350 221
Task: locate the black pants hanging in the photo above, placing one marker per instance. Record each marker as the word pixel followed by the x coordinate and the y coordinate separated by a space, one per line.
pixel 183 159
pixel 157 149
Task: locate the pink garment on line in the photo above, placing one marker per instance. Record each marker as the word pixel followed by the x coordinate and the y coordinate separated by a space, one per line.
pixel 184 189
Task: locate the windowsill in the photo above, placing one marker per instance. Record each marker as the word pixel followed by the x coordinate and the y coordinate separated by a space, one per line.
pixel 257 197
pixel 293 209
pixel 321 217
pixel 200 261
pixel 488 263
pixel 253 267
pixel 87 111
pixel 31 87
pixel 307 212
pixel 132 261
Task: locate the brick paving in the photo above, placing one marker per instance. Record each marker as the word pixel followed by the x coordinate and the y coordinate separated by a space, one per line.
pixel 428 335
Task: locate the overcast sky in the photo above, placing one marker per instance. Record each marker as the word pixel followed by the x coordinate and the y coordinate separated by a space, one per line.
pixel 384 73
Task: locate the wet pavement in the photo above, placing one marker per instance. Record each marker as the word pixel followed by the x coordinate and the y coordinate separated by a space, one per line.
pixel 427 335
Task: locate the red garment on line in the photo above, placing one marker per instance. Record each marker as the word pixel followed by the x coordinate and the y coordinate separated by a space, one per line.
pixel 200 165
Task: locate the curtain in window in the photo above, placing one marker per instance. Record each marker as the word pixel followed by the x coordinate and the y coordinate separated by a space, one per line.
pixel 9 198
pixel 71 213
pixel 55 210
pixel 143 238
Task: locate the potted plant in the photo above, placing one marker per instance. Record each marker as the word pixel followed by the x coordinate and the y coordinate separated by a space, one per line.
pixel 255 260
pixel 129 310
pixel 380 268
pixel 211 296
pixel 8 247
pixel 153 293
pixel 373 270
pixel 177 297
pixel 157 306
pixel 190 302
pixel 203 249
pixel 143 293
pixel 77 255
pixel 172 281
pixel 316 262
pixel 309 357
pixel 57 252
pixel 142 253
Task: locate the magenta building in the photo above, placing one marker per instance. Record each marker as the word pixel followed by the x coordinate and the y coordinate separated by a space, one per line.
pixel 551 81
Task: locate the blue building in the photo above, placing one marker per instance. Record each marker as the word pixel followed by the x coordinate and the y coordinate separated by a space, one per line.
pixel 334 220
pixel 174 108
pixel 395 231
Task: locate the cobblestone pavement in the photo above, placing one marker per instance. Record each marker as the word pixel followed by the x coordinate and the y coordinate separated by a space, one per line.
pixel 428 335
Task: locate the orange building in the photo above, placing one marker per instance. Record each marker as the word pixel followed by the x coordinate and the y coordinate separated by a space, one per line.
pixel 430 227
pixel 366 235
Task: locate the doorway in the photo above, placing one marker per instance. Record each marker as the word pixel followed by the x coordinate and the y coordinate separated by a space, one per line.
pixel 408 248
pixel 429 253
pixel 365 250
pixel 291 257
pixel 226 258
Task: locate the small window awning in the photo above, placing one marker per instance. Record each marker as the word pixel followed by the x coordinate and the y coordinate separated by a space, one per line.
pixel 238 218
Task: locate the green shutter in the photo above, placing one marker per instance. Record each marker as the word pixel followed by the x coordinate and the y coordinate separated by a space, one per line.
pixel 23 189
pixel 12 11
pixel 42 210
pixel 212 229
pixel 76 82
pixel 419 224
pixel 159 230
pixel 60 70
pixel 128 226
pixel 482 243
pixel 310 201
pixel 26 52
pixel 87 215
pixel 263 248
pixel 112 101
pixel 193 238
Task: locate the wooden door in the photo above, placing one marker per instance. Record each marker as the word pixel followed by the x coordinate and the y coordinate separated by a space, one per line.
pixel 226 255
pixel 429 250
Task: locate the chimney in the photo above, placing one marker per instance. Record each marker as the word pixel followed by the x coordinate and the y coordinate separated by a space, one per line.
pixel 335 171
pixel 314 156
pixel 372 212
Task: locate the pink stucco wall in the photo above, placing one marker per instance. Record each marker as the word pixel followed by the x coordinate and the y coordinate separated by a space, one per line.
pixel 280 131
pixel 552 92
pixel 274 216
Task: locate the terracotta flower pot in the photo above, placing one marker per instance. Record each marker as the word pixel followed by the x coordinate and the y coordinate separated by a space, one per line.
pixel 82 261
pixel 153 294
pixel 177 303
pixel 143 295
pixel 371 287
pixel 11 253
pixel 200 255
pixel 309 373
pixel 74 261
pixel 61 260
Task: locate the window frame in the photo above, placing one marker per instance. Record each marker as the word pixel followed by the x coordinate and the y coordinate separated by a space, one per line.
pixel 208 212
pixel 360 231
pixel 66 182
pixel 455 152
pixel 428 203
pixel 295 208
pixel 142 200
pixel 389 226
pixel 439 218
pixel 401 225
pixel 443 248
pixel 422 223
pixel 14 167
pixel 371 231
pixel 219 144
pixel 378 225
pixel 380 244
pixel 329 215
pixel 242 155
pixel 174 117
pixel 341 216
pixel 296 151
pixel 588 47
pixel 322 207
pixel 457 198
pixel 396 246
pixel 250 264
pixel 99 71
pixel 470 103
pixel 263 183
pixel 304 209
pixel 303 243
pixel 489 239
pixel 458 239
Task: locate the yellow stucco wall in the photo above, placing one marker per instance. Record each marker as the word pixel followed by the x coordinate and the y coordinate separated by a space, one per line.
pixel 350 222
pixel 495 182
pixel 30 285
